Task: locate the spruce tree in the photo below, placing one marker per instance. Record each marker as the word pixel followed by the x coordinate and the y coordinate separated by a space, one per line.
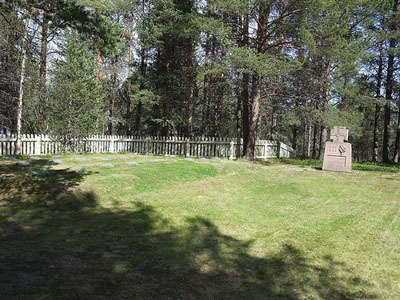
pixel 77 104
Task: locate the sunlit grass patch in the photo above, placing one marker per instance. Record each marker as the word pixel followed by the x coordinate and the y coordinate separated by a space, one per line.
pixel 171 228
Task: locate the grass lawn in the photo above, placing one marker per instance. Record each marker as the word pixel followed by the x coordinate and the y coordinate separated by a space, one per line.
pixel 171 228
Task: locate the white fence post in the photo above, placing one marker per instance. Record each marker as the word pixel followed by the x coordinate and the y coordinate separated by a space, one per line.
pixel 265 149
pixel 112 146
pixel 231 156
pixel 187 147
pixel 148 141
pixel 38 142
pixel 278 149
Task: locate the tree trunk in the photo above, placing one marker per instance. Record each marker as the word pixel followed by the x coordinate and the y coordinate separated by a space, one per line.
pixel 305 139
pixel 130 66
pixel 255 115
pixel 294 137
pixel 386 122
pixel 305 130
pixel 219 93
pixel 238 119
pixel 69 137
pixel 310 135
pixel 389 87
pixel 189 112
pixel 241 43
pixel 275 100
pixel 205 105
pixel 43 71
pixel 138 116
pixel 204 108
pixel 263 15
pixel 295 130
pixel 274 119
pixel 322 142
pixel 218 88
pixel 375 145
pixel 396 157
pixel 112 97
pixel 245 89
pixel 324 131
pixel 244 95
pixel 21 90
pixel 189 101
pixel 314 142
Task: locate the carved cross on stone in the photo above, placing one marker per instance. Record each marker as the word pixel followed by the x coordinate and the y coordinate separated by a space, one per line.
pixel 339 134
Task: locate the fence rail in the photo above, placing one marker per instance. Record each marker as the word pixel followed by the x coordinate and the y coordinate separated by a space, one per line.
pixel 179 146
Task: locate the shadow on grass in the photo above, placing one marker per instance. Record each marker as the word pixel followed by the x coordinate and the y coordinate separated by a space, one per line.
pixel 58 243
pixel 22 187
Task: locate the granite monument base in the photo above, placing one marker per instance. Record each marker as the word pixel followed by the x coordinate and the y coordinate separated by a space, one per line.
pixel 337 157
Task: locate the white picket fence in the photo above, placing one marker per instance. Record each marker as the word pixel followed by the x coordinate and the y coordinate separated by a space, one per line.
pixel 180 146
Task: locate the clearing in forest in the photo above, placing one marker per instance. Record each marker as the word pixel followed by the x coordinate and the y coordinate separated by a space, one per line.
pixel 135 227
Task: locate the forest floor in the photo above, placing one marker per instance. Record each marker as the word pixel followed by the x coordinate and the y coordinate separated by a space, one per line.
pixel 173 228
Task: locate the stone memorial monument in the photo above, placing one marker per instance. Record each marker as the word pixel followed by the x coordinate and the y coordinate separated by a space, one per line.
pixel 337 156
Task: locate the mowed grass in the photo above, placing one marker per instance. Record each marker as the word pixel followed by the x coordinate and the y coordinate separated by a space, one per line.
pixel 171 228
